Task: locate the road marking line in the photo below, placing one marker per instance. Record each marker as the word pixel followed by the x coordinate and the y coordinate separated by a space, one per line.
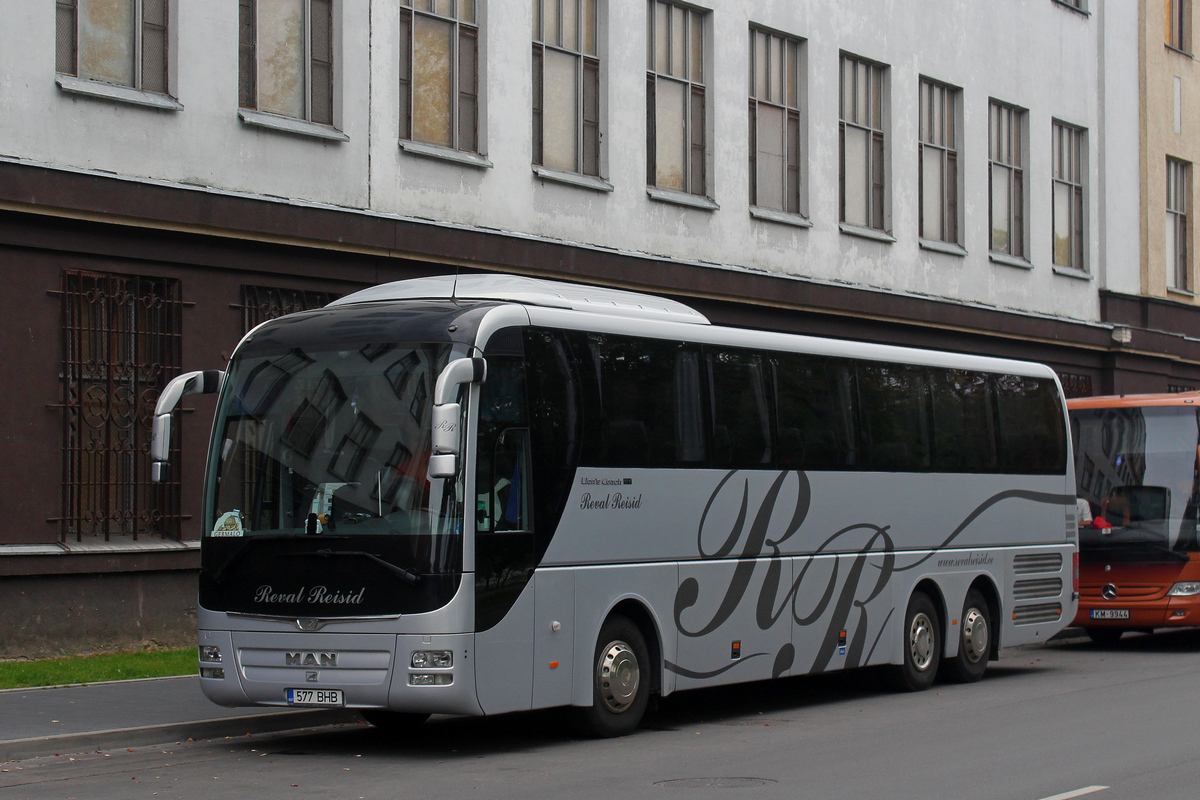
pixel 1076 793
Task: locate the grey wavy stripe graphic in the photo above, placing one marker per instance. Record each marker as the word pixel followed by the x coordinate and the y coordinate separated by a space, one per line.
pixel 688 673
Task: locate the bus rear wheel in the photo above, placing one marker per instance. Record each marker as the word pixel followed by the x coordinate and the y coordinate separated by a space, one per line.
pixel 922 647
pixel 974 642
pixel 393 723
pixel 620 681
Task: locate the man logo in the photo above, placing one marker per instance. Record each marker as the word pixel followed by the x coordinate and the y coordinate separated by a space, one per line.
pixel 311 659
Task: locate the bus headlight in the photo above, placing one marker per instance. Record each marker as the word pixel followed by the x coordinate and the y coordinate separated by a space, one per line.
pixel 1185 589
pixel 432 659
pixel 210 653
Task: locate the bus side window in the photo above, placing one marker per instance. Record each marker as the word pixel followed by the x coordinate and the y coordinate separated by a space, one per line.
pixel 502 460
pixel 741 436
pixel 815 408
pixel 964 430
pixel 1032 433
pixel 895 415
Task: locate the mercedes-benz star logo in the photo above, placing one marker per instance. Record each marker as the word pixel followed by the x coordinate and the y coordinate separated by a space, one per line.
pixel 1109 591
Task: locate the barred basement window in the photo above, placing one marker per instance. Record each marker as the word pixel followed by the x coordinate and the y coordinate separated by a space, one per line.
pixel 122 42
pixel 286 58
pixel 261 303
pixel 1076 385
pixel 121 345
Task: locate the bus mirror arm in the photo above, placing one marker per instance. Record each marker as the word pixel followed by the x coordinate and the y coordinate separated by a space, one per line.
pixel 446 439
pixel 202 382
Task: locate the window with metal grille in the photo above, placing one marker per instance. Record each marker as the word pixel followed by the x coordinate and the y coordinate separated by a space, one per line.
pixel 1006 178
pixel 566 86
pixel 776 93
pixel 1177 388
pixel 122 42
pixel 1069 167
pixel 285 58
pixel 1177 20
pixel 261 303
pixel 1177 226
pixel 676 147
pixel 1075 385
pixel 938 154
pixel 121 344
pixel 862 134
pixel 439 73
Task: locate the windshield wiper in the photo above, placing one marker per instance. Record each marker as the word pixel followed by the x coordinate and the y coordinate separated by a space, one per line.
pixel 407 575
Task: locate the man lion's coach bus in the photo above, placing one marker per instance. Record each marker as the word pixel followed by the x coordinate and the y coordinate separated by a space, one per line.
pixel 1138 467
pixel 490 493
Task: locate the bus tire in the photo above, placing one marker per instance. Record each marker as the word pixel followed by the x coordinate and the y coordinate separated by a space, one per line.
pixel 922 641
pixel 620 681
pixel 393 723
pixel 1104 635
pixel 974 641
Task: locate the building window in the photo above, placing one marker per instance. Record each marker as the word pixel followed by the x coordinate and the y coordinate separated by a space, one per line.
pixel 938 177
pixel 121 344
pixel 566 86
pixel 1176 388
pixel 1177 225
pixel 1006 178
pixel 1178 21
pixel 1075 385
pixel 439 73
pixel 675 89
pixel 261 303
pixel 1079 5
pixel 775 129
pixel 1069 156
pixel 286 58
pixel 123 42
pixel 861 141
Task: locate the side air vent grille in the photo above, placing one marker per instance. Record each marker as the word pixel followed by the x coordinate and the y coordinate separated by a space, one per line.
pixel 1034 588
pixel 1037 562
pixel 1042 612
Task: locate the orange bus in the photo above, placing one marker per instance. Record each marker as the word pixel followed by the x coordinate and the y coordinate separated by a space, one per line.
pixel 1137 467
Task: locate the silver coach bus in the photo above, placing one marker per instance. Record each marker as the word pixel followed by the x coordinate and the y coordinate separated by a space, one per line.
pixel 484 494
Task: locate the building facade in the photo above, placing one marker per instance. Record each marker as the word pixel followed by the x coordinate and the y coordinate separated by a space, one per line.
pixel 957 177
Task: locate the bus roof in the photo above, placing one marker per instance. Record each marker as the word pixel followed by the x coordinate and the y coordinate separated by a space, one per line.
pixel 1134 400
pixel 530 291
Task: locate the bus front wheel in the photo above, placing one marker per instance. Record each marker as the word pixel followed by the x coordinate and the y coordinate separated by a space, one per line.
pixel 922 646
pixel 620 681
pixel 974 643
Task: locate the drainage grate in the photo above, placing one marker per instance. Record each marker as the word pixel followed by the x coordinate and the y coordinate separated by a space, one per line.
pixel 714 783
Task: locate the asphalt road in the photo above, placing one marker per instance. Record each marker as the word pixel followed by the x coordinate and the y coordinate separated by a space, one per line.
pixel 1067 720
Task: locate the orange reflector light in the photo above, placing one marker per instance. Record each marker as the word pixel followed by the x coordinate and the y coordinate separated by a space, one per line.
pixel 553 665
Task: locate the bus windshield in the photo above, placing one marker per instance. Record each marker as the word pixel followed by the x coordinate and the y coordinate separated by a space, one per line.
pixel 315 442
pixel 1138 469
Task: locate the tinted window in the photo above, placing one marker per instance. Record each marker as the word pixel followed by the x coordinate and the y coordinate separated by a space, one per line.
pixel 895 411
pixel 815 401
pixel 741 432
pixel 1032 433
pixel 964 422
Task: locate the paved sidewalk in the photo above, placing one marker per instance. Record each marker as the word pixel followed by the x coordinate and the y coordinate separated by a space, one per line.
pixel 99 716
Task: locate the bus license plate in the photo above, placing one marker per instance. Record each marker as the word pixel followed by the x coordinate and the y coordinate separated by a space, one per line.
pixel 1110 613
pixel 315 697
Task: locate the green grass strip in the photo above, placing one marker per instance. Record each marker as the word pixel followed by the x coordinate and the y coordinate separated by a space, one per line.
pixel 91 669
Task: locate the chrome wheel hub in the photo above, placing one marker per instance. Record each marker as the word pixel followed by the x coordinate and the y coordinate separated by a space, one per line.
pixel 617 676
pixel 920 641
pixel 975 636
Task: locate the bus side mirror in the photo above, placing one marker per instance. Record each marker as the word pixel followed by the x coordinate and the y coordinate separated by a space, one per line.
pixel 204 382
pixel 447 433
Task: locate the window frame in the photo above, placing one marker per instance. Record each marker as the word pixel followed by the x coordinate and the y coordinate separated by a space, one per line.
pixel 877 190
pixel 1008 149
pixel 1177 23
pixel 463 28
pixel 941 139
pixel 589 77
pixel 67 67
pixel 1069 144
pixel 696 139
pixel 249 100
pixel 792 105
pixel 1178 184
